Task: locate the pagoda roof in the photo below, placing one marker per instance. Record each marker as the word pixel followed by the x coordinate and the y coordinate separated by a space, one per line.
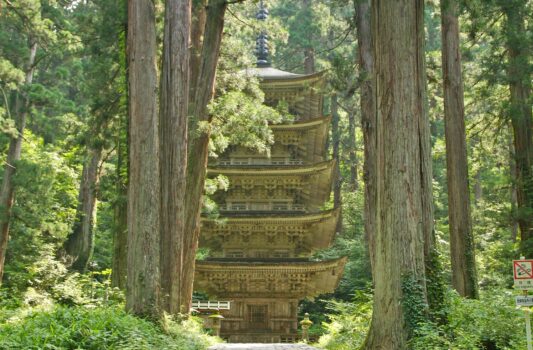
pixel 303 124
pixel 262 170
pixel 274 75
pixel 302 234
pixel 294 279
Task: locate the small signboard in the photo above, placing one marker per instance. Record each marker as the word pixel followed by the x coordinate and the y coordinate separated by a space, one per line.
pixel 523 274
pixel 524 301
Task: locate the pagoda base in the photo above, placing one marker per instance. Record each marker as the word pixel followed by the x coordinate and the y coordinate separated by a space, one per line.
pixel 260 320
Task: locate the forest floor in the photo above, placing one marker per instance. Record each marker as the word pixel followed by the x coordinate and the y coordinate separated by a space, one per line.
pixel 262 347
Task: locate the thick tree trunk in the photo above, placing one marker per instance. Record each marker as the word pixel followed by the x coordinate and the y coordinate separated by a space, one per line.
pixel 7 193
pixel 521 117
pixel 368 118
pixel 352 146
pixel 79 245
pixel 464 276
pixel 174 104
pixel 143 282
pixel 197 160
pixel 336 133
pixel 402 159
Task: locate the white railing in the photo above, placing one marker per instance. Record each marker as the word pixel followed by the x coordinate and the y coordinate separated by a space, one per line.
pixel 211 305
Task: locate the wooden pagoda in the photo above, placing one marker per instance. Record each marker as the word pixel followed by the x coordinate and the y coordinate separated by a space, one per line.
pixel 272 219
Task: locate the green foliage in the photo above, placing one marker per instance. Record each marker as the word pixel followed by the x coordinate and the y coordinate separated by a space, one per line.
pixel 492 322
pixel 98 329
pixel 349 324
pixel 414 304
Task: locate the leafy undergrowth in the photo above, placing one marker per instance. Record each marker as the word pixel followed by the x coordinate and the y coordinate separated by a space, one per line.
pixel 97 328
pixel 491 323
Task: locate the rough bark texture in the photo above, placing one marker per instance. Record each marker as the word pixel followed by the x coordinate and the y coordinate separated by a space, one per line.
pixel 143 283
pixel 402 159
pixel 352 146
pixel 368 118
pixel 79 245
pixel 464 277
pixel 7 193
pixel 173 149
pixel 198 143
pixel 335 135
pixel 521 116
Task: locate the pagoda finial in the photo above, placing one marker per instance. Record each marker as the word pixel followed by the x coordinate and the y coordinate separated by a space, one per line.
pixel 261 43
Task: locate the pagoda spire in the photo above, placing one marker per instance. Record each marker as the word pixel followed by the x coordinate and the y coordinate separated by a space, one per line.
pixel 261 43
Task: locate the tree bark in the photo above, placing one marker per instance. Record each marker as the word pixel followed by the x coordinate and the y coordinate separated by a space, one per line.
pixel 512 191
pixel 143 281
pixel 174 102
pixel 7 193
pixel 198 143
pixel 354 161
pixel 198 20
pixel 403 199
pixel 120 216
pixel 79 245
pixel 521 116
pixel 368 118
pixel 464 276
pixel 336 133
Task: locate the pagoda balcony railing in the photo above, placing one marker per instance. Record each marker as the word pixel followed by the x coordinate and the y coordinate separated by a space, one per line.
pixel 211 305
pixel 275 207
pixel 259 161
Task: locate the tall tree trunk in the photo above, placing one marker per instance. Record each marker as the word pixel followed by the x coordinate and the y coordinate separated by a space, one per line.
pixel 120 215
pixel 120 212
pixel 464 276
pixel 198 151
pixel 352 146
pixel 143 281
pixel 79 245
pixel 512 191
pixel 336 134
pixel 368 118
pixel 402 158
pixel 198 20
pixel 7 193
pixel 174 104
pixel 521 116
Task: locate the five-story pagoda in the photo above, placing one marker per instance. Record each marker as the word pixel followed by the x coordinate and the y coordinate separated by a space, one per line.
pixel 273 220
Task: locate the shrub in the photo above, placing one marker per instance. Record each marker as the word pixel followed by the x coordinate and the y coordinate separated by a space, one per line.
pixel 98 329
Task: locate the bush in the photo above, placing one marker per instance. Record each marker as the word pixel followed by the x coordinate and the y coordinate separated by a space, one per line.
pixel 98 329
pixel 490 323
pixel 349 324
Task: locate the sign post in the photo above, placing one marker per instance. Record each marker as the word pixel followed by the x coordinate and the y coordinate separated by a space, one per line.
pixel 523 279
